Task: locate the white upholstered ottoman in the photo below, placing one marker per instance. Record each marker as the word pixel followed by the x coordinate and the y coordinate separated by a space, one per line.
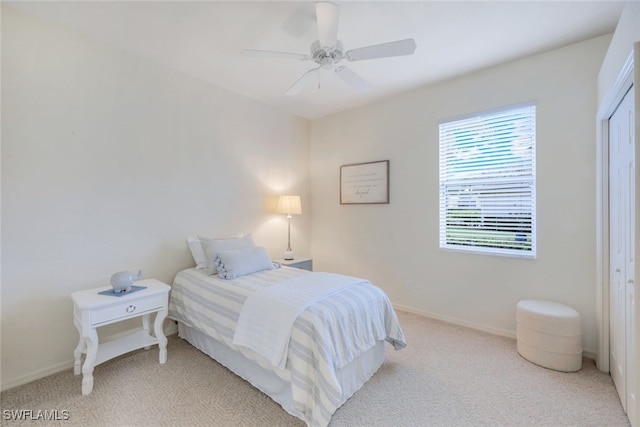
pixel 549 334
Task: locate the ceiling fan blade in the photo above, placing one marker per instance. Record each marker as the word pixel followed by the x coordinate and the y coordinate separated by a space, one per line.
pixel 302 82
pixel 254 53
pixel 352 79
pixel 384 50
pixel 328 15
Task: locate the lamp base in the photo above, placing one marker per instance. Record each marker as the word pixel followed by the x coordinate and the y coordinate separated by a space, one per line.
pixel 288 255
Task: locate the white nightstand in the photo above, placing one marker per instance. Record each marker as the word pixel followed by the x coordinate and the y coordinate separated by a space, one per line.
pixel 92 310
pixel 302 263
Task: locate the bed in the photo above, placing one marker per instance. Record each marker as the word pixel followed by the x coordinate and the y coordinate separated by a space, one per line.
pixel 334 345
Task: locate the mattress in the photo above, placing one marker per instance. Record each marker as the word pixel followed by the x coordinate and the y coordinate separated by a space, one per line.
pixel 326 339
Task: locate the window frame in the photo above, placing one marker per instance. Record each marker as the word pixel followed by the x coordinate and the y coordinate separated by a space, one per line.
pixel 518 189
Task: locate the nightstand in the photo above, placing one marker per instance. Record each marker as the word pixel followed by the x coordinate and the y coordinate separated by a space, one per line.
pixel 302 263
pixel 92 310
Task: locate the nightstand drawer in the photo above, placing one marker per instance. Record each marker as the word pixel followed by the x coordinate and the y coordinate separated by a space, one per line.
pixel 127 309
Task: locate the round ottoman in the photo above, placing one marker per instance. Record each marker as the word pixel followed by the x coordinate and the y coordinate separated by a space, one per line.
pixel 549 335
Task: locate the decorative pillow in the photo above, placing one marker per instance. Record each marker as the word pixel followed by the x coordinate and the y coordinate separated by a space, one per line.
pixel 197 252
pixel 240 262
pixel 213 246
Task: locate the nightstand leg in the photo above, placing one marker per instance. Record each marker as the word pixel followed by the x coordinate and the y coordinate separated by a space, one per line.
pixel 87 369
pixel 162 340
pixel 145 326
pixel 77 353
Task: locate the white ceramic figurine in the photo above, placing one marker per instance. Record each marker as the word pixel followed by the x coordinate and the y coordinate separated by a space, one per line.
pixel 123 280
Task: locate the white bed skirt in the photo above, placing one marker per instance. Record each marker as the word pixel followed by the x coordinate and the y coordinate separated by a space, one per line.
pixel 351 377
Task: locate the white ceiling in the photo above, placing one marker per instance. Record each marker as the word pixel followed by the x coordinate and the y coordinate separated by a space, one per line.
pixel 205 39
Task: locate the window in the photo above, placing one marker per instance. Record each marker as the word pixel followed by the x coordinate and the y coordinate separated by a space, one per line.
pixel 488 183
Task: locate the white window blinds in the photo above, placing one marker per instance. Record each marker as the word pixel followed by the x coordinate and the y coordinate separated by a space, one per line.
pixel 487 183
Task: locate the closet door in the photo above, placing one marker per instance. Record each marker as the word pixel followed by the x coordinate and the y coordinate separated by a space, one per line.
pixel 629 156
pixel 622 249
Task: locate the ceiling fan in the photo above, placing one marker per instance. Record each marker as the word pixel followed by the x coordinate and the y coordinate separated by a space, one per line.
pixel 328 52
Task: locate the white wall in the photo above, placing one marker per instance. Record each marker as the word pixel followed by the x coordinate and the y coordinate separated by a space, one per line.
pixel 108 163
pixel 395 243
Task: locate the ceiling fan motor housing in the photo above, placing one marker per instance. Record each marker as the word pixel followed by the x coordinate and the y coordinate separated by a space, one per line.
pixel 323 57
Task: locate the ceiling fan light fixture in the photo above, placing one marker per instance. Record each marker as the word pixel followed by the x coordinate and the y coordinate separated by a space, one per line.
pixel 328 63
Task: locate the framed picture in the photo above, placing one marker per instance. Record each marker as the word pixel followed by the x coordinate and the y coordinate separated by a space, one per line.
pixel 364 183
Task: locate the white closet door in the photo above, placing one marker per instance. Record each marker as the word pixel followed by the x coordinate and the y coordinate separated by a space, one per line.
pixel 628 154
pixel 622 249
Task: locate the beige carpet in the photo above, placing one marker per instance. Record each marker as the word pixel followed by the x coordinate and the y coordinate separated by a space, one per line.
pixel 447 376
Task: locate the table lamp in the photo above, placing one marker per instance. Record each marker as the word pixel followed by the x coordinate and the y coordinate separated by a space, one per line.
pixel 290 205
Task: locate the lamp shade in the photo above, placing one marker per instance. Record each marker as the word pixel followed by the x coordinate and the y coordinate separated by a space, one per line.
pixel 289 205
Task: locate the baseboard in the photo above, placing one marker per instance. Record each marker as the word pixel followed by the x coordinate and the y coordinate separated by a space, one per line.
pixel 169 329
pixel 472 325
pixel 36 375
pixel 459 322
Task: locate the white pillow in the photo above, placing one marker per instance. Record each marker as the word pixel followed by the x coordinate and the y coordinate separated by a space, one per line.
pixel 240 262
pixel 213 246
pixel 197 252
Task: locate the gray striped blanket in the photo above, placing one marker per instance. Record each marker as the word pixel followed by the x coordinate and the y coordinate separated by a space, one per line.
pixel 326 336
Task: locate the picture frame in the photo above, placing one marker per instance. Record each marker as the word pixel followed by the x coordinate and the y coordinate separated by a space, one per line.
pixel 364 183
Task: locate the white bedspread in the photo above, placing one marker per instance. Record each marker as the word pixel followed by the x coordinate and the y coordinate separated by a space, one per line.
pixel 267 317
pixel 325 336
